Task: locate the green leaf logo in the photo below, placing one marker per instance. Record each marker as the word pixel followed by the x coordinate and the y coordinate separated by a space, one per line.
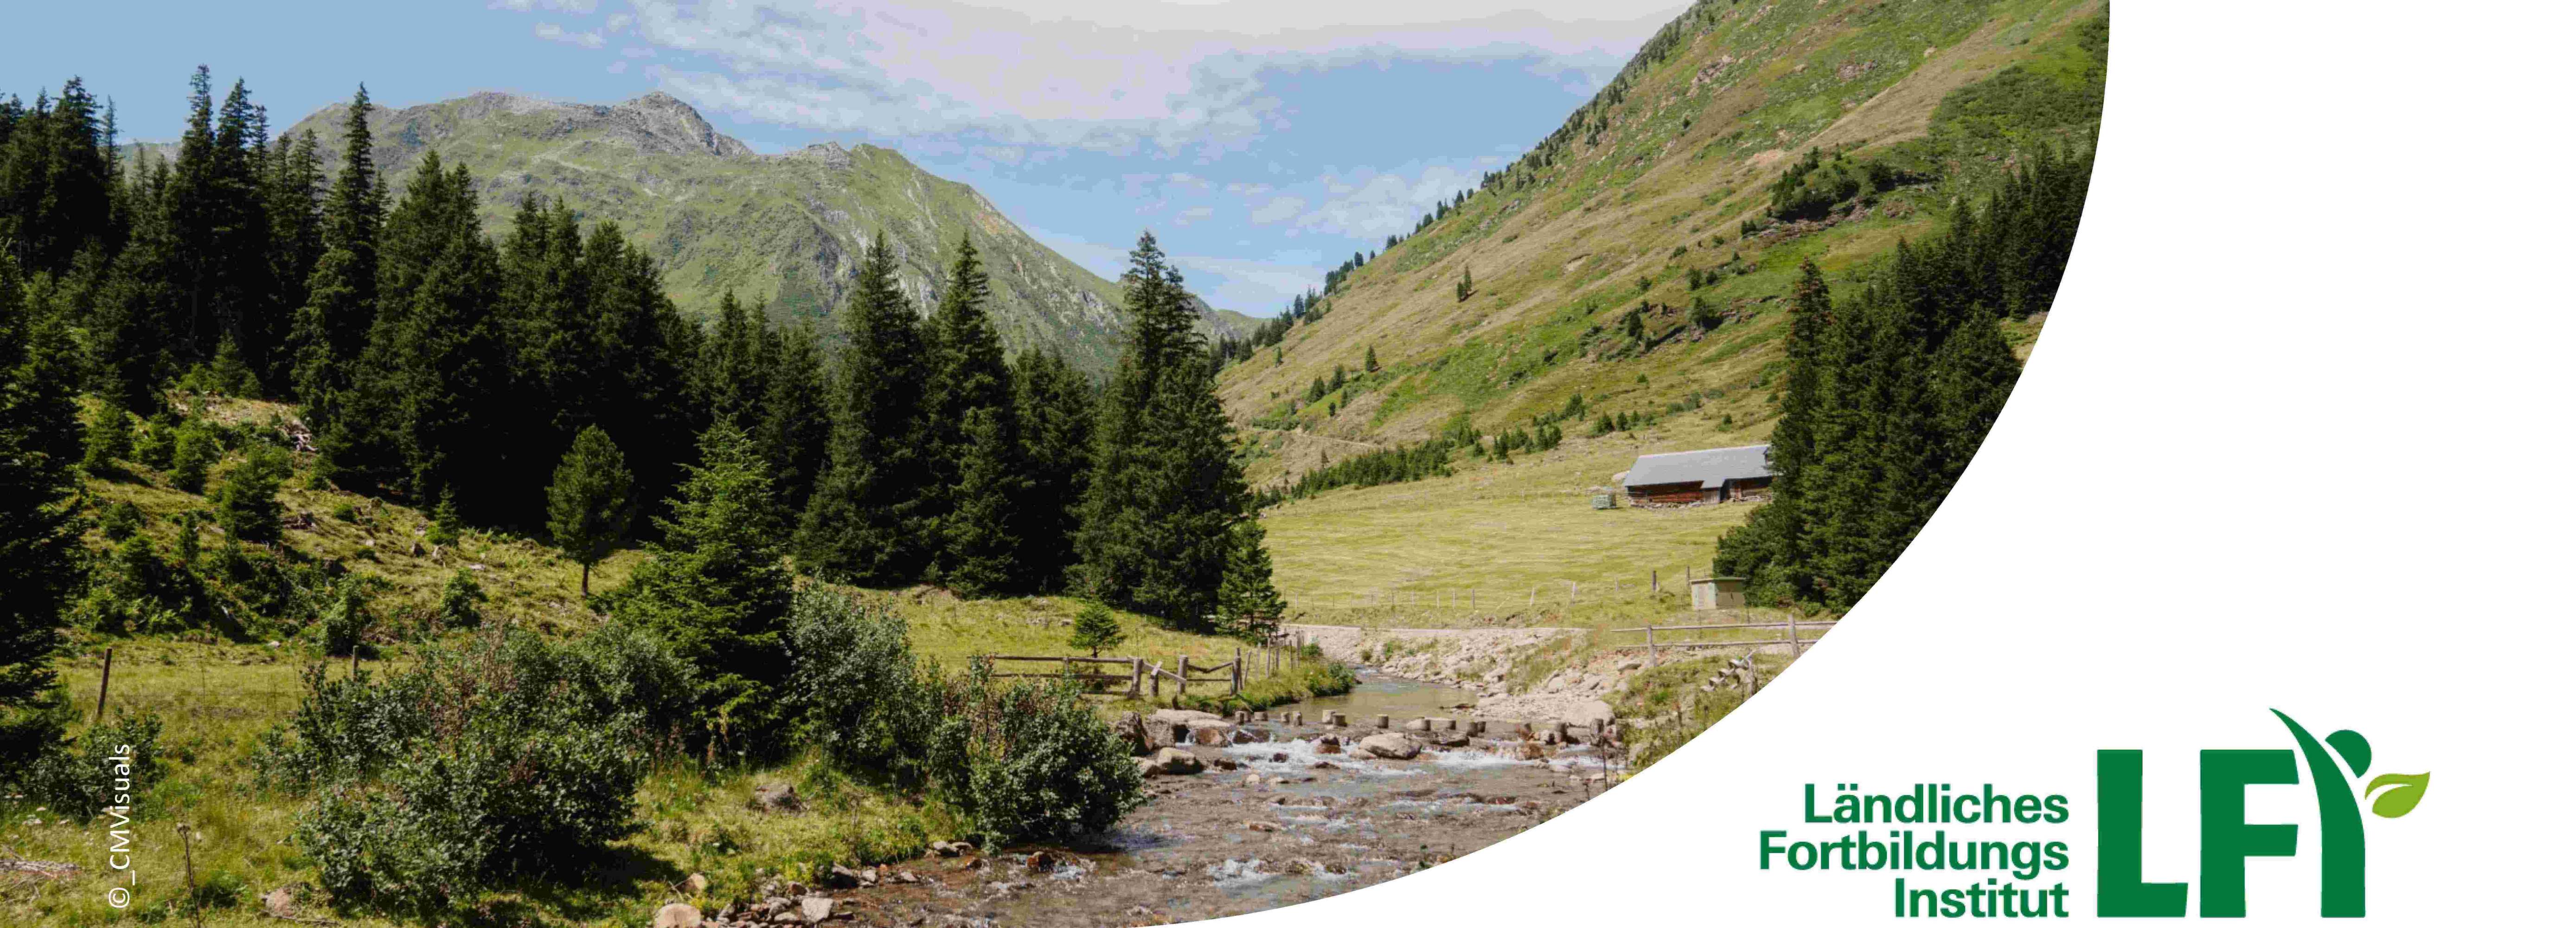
pixel 2404 791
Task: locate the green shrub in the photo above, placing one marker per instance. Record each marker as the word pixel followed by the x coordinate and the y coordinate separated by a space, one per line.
pixel 120 521
pixel 193 451
pixel 114 763
pixel 344 511
pixel 461 604
pixel 152 445
pixel 1030 763
pixel 507 758
pixel 857 688
pixel 110 437
pixel 247 505
pixel 344 622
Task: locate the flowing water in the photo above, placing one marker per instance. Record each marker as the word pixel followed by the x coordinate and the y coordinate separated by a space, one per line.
pixel 1270 823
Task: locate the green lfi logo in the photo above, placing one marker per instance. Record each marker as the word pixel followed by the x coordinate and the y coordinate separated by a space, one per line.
pixel 2227 840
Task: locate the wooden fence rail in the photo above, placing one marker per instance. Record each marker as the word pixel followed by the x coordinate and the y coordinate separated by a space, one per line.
pixel 1143 677
pixel 1796 645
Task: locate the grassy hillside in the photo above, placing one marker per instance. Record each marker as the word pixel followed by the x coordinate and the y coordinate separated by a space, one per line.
pixel 1658 194
pixel 786 229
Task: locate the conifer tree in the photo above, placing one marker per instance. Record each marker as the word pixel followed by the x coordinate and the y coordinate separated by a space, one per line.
pixel 330 328
pixel 732 372
pixel 1096 629
pixel 980 543
pixel 1249 605
pixel 589 504
pixel 716 586
pixel 247 505
pixel 866 521
pixel 1371 363
pixel 1056 417
pixel 974 474
pixel 1166 490
pixel 39 540
pixel 795 428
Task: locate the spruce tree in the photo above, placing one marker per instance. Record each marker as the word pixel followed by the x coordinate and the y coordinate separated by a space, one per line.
pixel 716 586
pixel 247 505
pixel 867 522
pixel 39 539
pixel 1250 606
pixel 1056 417
pixel 795 428
pixel 589 504
pixel 732 372
pixel 980 543
pixel 1095 629
pixel 974 472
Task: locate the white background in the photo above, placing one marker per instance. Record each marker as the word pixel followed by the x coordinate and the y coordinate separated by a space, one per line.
pixel 2294 438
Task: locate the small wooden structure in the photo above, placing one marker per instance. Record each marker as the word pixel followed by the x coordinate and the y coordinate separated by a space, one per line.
pixel 1717 593
pixel 1682 478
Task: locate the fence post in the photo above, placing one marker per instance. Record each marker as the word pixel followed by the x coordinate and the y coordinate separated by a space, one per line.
pixel 1135 677
pixel 1654 581
pixel 1185 675
pixel 1650 646
pixel 1156 676
pixel 1795 649
pixel 104 669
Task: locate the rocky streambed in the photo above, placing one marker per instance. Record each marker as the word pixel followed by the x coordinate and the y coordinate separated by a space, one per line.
pixel 1240 817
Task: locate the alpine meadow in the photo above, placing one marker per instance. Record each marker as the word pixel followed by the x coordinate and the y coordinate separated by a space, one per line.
pixel 504 511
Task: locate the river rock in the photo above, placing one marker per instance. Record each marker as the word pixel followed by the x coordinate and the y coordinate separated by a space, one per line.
pixel 1130 728
pixel 950 848
pixel 695 884
pixel 1391 746
pixel 1252 780
pixel 1145 766
pixel 1588 712
pixel 1250 736
pixel 280 902
pixel 816 909
pixel 1450 739
pixel 1328 744
pixel 677 915
pixel 774 797
pixel 1264 827
pixel 1177 761
pixel 1418 725
pixel 1530 750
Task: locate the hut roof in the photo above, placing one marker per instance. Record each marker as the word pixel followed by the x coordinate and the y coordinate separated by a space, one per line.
pixel 1708 468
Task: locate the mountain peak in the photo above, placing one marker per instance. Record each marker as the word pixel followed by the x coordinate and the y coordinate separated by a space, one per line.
pixel 664 120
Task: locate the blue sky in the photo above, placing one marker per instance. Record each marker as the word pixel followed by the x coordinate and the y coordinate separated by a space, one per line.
pixel 1263 142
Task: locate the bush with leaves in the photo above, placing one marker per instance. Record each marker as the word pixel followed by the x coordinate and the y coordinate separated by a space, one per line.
pixel 858 689
pixel 120 520
pixel 1030 763
pixel 113 763
pixel 506 758
pixel 461 604
pixel 343 624
pixel 152 444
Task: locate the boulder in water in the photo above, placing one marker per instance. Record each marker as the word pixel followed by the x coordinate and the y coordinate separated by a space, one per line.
pixel 1391 746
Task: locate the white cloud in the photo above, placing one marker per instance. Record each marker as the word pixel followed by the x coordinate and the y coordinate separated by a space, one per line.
pixel 1278 209
pixel 1118 79
pixel 1194 214
pixel 554 32
pixel 582 7
pixel 1371 204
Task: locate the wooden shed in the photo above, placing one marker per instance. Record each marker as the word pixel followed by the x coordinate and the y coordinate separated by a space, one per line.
pixel 1714 475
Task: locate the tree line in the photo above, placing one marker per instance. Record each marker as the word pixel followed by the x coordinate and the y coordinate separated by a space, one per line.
pixel 542 382
pixel 1888 392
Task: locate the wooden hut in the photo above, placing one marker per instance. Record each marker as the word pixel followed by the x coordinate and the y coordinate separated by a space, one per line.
pixel 1713 475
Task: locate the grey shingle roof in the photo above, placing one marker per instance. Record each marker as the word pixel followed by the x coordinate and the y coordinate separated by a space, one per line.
pixel 1707 468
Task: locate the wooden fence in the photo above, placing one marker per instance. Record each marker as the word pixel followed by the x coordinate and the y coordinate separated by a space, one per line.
pixel 1794 643
pixel 1144 678
pixel 1557 593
